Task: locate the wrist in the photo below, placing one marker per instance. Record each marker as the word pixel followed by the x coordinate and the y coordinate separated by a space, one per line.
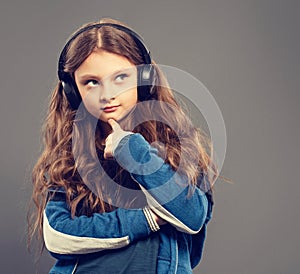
pixel 118 140
pixel 151 219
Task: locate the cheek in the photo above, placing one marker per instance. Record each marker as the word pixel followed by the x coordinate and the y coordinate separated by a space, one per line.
pixel 92 105
pixel 131 98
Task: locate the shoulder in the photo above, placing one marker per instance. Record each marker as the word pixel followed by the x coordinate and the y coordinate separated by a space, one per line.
pixel 56 194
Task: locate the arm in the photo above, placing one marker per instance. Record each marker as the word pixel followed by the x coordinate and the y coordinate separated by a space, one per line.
pixel 166 190
pixel 197 244
pixel 67 237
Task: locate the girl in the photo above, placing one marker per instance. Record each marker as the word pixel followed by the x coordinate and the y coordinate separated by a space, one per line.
pixel 124 181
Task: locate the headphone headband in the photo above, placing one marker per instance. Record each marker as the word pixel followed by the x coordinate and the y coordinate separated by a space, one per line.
pixel 136 37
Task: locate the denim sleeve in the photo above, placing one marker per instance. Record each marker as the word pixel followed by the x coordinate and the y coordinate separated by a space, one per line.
pixel 167 192
pixel 67 237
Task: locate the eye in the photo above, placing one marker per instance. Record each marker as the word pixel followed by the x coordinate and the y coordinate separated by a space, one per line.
pixel 91 83
pixel 121 77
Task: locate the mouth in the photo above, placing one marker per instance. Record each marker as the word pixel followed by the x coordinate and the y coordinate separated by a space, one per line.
pixel 110 108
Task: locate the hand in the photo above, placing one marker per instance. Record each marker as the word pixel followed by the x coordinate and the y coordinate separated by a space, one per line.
pixel 113 139
pixel 159 220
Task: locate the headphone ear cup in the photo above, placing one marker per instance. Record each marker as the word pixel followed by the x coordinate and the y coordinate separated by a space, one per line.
pixel 145 81
pixel 71 92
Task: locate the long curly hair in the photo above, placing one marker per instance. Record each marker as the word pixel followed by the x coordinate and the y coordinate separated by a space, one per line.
pixel 57 167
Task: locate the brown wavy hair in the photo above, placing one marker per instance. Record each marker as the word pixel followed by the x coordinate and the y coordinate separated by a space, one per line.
pixel 56 167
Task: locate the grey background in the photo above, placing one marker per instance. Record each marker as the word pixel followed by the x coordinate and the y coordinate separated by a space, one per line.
pixel 245 52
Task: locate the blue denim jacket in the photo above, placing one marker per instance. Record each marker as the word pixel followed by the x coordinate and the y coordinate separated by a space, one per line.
pixel 181 240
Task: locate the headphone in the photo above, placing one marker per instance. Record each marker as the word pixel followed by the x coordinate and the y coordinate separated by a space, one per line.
pixel 145 71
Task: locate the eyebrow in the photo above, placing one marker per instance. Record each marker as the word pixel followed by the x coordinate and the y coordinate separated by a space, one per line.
pixel 87 76
pixel 94 76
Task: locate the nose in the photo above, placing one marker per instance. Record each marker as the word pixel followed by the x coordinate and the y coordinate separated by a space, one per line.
pixel 106 94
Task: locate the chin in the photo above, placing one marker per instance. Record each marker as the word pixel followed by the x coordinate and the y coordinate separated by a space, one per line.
pixel 106 118
pixel 117 117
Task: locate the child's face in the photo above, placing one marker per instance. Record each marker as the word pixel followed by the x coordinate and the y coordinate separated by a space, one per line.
pixel 107 83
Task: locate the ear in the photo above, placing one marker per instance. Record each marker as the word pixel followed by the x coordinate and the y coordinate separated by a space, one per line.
pixel 145 81
pixel 71 91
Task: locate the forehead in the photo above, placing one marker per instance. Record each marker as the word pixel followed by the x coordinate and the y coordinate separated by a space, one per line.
pixel 103 63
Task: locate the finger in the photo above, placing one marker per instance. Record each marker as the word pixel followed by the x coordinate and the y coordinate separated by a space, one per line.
pixel 114 125
pixel 107 153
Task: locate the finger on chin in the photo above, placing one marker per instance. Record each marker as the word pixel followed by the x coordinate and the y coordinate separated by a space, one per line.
pixel 114 124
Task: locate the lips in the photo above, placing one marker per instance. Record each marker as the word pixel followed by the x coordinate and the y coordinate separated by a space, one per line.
pixel 110 108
